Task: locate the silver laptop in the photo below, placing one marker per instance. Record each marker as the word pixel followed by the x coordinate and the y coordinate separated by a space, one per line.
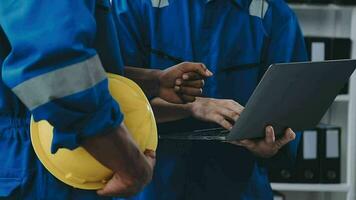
pixel 292 95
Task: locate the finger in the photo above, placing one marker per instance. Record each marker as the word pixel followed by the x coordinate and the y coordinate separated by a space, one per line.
pixel 151 157
pixel 233 142
pixel 191 91
pixel 150 153
pixel 233 105
pixel 288 136
pixel 222 121
pixel 112 188
pixel 179 82
pixel 188 94
pixel 177 88
pixel 229 114
pixel 230 104
pixel 192 76
pixel 195 84
pixel 187 98
pixel 246 143
pixel 151 161
pixel 199 68
pixel 270 137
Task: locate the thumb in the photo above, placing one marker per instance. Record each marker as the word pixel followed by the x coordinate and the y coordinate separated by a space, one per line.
pixel 288 136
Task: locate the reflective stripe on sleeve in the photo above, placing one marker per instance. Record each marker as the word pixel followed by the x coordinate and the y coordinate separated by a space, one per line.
pixel 60 83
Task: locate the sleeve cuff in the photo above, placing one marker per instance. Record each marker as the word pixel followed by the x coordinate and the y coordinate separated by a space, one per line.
pixel 108 117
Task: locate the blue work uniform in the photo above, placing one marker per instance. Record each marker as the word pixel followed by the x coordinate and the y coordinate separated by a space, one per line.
pixel 236 40
pixel 52 55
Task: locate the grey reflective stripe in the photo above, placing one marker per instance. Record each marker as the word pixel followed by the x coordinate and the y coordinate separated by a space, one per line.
pixel 258 8
pixel 60 83
pixel 160 3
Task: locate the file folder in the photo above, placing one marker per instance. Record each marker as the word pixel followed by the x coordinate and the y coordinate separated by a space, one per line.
pixel 308 168
pixel 333 48
pixel 282 175
pixel 318 159
pixel 330 165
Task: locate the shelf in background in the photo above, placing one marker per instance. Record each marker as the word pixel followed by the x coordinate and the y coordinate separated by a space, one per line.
pixel 342 98
pixel 321 7
pixel 342 187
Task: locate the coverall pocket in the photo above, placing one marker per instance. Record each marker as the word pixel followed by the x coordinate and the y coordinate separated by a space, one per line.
pixel 10 188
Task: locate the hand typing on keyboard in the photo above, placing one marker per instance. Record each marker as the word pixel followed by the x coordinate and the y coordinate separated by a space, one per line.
pixel 221 111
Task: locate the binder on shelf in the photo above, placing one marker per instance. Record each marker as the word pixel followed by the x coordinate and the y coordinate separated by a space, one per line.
pixel 323 48
pixel 334 48
pixel 282 175
pixel 319 155
pixel 308 165
pixel 330 163
pixel 318 158
pixel 306 168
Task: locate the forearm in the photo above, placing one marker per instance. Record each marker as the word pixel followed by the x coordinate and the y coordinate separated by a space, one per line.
pixel 118 151
pixel 147 79
pixel 165 111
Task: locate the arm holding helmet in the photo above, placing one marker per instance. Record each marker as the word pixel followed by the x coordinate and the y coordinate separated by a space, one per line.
pixel 62 81
pixel 119 152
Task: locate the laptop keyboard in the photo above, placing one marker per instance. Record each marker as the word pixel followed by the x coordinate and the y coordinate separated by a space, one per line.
pixel 202 134
pixel 210 132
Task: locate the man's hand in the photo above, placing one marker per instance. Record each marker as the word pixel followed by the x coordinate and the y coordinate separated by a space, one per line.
pixel 118 151
pixel 221 111
pixel 182 82
pixel 178 84
pixel 269 146
pixel 123 186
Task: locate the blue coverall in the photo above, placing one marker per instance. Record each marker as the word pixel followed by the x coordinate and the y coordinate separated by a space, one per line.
pixel 50 68
pixel 237 40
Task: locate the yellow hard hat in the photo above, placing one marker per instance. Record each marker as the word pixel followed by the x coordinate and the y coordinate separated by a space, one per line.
pixel 77 167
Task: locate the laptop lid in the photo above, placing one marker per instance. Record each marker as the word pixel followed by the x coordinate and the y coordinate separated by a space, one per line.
pixel 294 95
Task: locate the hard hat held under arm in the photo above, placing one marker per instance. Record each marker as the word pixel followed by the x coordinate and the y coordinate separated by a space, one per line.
pixel 54 70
